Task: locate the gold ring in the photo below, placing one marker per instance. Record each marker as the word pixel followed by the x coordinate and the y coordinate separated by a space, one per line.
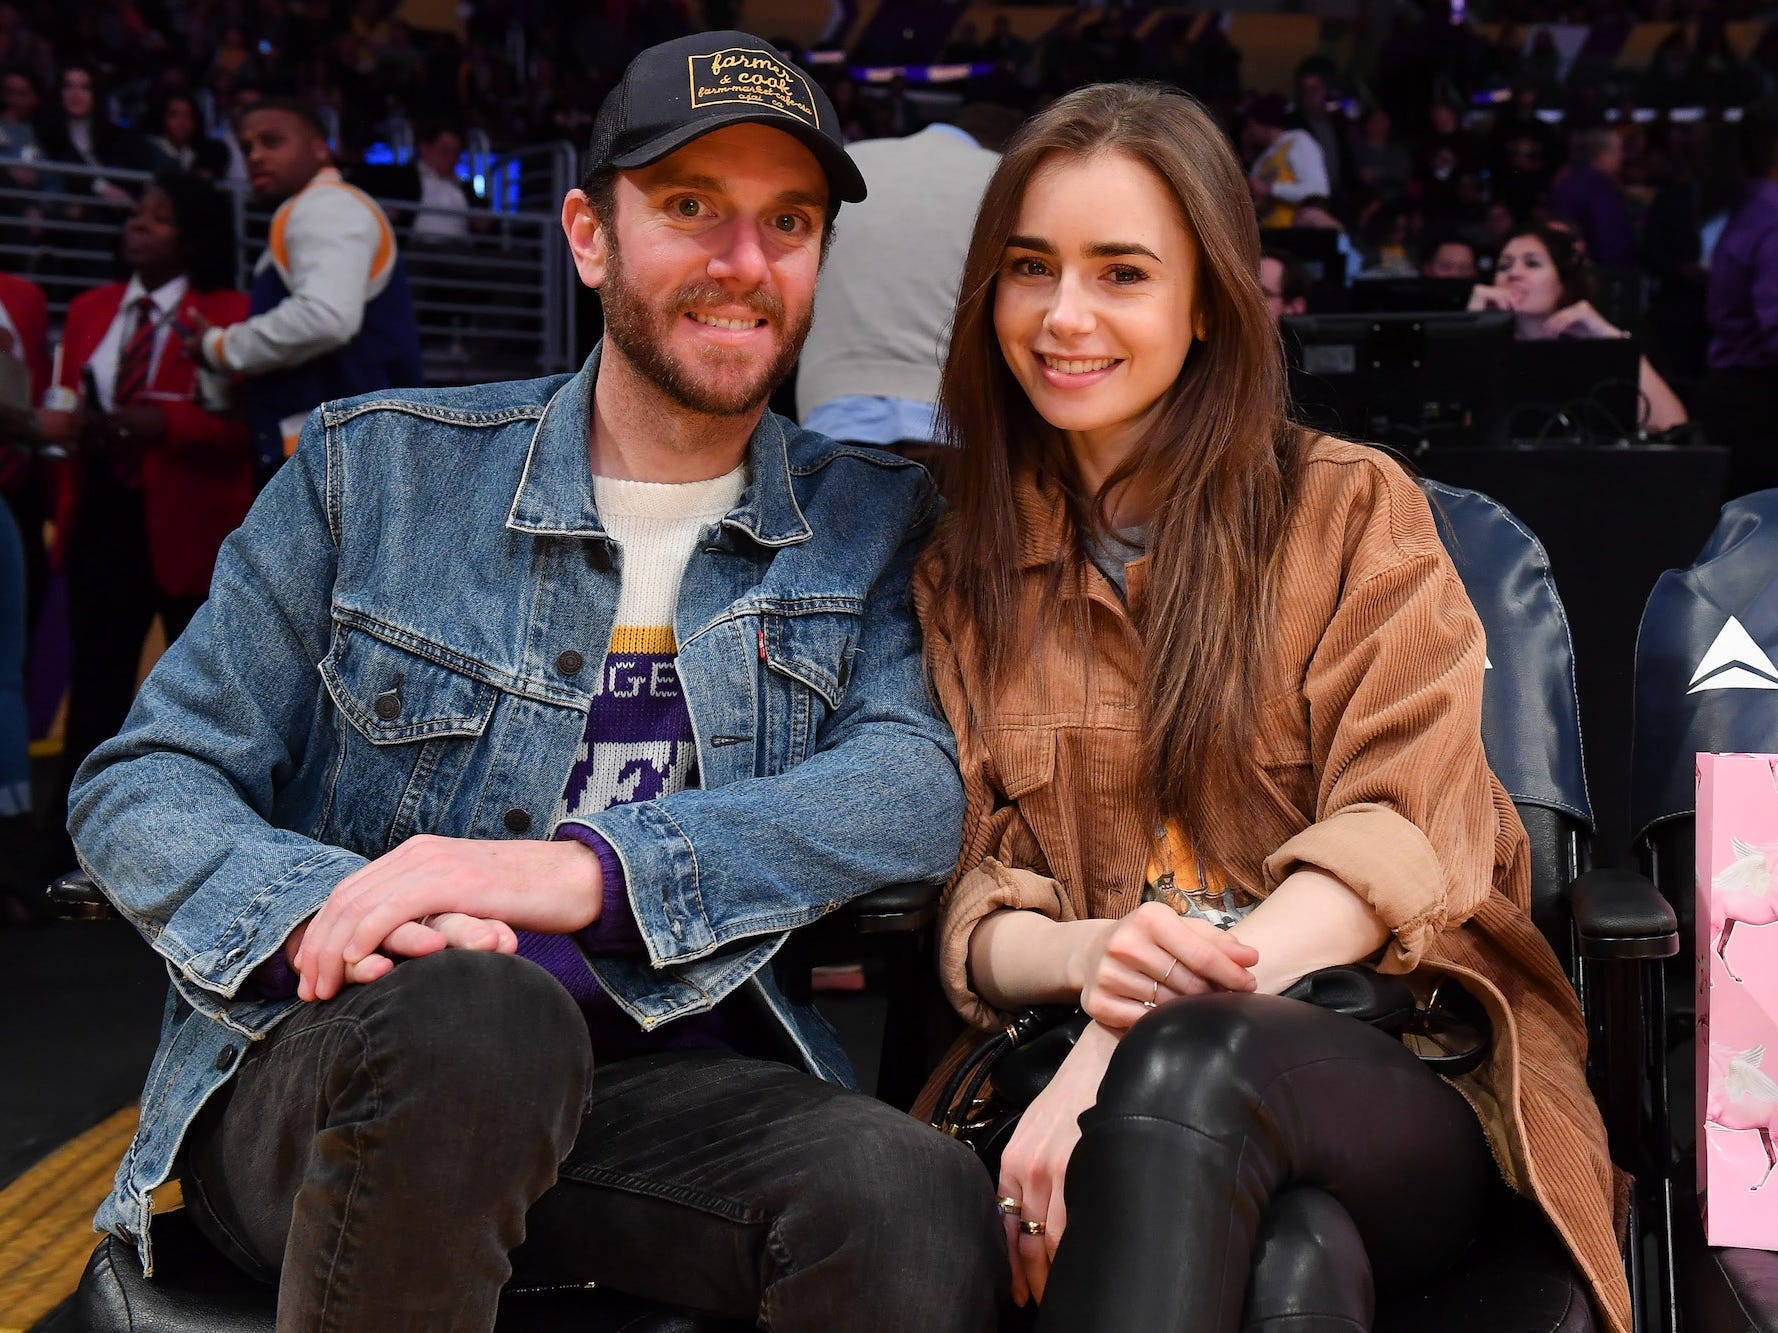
pixel 1169 971
pixel 1148 1004
pixel 1031 1228
pixel 1008 1206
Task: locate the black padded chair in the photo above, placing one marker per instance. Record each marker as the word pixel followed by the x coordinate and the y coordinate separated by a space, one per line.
pixel 1605 928
pixel 1705 683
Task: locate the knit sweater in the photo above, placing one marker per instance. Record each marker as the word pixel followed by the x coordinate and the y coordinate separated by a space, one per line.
pixel 638 744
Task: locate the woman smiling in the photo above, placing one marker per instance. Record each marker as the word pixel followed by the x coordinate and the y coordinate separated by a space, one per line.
pixel 1217 694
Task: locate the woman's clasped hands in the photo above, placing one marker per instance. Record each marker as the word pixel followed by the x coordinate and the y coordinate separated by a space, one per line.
pixel 1152 955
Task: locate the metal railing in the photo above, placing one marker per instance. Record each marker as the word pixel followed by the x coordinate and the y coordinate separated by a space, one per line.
pixel 496 302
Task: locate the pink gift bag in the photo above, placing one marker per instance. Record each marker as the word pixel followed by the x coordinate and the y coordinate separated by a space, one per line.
pixel 1737 978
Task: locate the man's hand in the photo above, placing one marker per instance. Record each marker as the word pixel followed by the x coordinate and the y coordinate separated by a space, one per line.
pixel 64 428
pixel 142 423
pixel 196 326
pixel 416 939
pixel 551 887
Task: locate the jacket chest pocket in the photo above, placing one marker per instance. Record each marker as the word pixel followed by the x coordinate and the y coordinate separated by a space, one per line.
pixel 406 733
pixel 805 659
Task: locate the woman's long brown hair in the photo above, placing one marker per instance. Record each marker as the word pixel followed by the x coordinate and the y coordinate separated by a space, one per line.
pixel 1219 461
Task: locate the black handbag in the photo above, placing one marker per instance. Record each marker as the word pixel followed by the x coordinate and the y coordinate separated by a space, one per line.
pixel 1001 1075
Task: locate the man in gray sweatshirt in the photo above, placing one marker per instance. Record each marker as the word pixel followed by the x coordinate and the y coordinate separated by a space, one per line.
pixel 869 371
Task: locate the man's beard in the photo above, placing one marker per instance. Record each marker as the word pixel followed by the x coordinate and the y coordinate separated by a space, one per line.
pixel 641 332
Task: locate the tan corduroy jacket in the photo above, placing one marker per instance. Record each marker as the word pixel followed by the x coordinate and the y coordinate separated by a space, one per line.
pixel 1371 757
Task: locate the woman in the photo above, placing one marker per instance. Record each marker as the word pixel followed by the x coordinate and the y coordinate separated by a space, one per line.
pixel 1543 277
pixel 79 130
pixel 179 142
pixel 1196 656
pixel 163 474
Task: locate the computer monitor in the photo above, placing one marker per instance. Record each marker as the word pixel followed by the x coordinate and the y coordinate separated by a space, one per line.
pixel 1410 380
pixel 1412 293
pixel 1565 388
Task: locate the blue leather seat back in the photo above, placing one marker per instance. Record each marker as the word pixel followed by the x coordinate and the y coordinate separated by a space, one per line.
pixel 1706 679
pixel 1530 715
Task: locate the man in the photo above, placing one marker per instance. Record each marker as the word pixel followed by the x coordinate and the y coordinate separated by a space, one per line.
pixel 1314 118
pixel 1288 165
pixel 1589 196
pixel 1740 398
pixel 665 634
pixel 332 315
pixel 883 312
pixel 1451 257
pixel 1285 282
pixel 444 216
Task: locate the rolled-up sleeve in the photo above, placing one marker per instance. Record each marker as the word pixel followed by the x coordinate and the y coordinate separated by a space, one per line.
pixel 1405 814
pixel 1000 866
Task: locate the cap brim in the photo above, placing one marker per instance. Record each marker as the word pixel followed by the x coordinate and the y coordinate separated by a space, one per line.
pixel 843 176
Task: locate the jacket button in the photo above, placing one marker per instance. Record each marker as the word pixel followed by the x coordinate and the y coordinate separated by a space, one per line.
pixel 598 556
pixel 570 663
pixel 388 705
pixel 226 1057
pixel 517 821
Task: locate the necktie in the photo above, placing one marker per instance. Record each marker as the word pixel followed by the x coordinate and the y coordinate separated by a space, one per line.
pixel 132 363
pixel 132 382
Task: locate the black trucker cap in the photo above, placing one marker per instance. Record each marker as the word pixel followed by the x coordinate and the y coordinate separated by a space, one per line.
pixel 680 90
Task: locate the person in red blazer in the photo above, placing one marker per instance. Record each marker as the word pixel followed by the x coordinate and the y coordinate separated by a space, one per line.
pixel 162 471
pixel 24 319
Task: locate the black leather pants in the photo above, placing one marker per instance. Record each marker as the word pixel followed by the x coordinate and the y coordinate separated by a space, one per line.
pixel 1250 1163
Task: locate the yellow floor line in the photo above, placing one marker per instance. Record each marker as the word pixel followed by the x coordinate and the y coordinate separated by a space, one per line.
pixel 46 1220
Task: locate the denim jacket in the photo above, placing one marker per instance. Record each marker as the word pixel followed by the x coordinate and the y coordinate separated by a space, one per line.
pixel 383 654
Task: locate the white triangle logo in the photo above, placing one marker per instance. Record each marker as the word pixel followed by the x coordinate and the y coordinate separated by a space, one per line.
pixel 1734 662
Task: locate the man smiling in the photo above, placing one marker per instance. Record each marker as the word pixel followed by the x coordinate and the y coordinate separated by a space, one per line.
pixel 632 612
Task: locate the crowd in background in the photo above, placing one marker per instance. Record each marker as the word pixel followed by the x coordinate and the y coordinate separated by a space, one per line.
pixel 1427 150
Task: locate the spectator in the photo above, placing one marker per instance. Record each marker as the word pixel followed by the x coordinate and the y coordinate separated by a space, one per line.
pixel 21 887
pixel 443 219
pixel 178 142
pixel 1451 257
pixel 18 117
pixel 24 485
pixel 1315 116
pixel 1589 197
pixel 80 130
pixel 164 473
pixel 1544 279
pixel 1741 392
pixel 24 329
pixel 1285 282
pixel 1382 166
pixel 1449 164
pixel 869 371
pixel 1288 165
pixel 331 312
pixel 238 101
pixel 1316 214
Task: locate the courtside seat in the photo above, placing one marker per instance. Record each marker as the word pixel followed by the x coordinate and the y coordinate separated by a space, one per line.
pixel 1705 683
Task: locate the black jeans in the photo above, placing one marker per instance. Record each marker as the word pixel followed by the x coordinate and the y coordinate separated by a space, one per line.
pixel 391 1157
pixel 112 600
pixel 1250 1163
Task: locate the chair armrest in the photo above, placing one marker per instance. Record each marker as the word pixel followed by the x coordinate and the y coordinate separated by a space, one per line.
pixel 1619 914
pixel 74 897
pixel 897 909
